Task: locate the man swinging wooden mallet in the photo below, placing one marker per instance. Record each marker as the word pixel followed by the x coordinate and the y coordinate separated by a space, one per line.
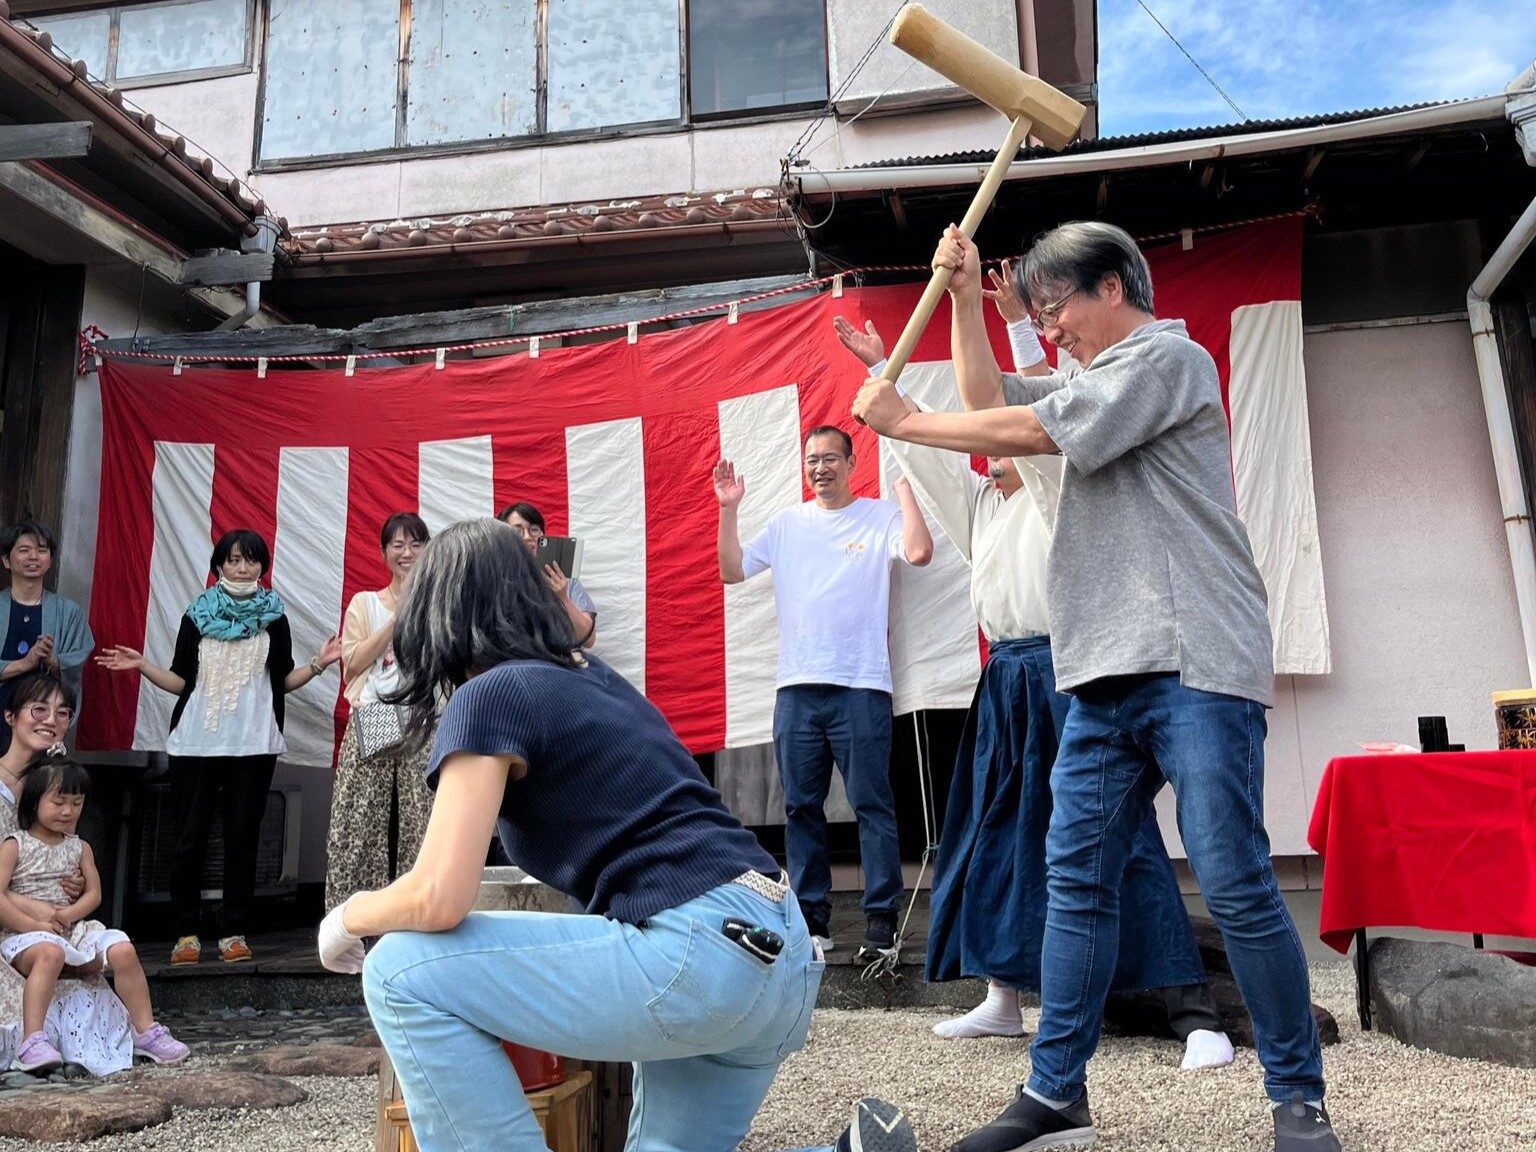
pixel 1033 106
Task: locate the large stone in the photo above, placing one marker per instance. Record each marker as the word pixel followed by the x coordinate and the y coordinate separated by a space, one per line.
pixel 311 1060
pixel 1452 999
pixel 1144 1014
pixel 222 1088
pixel 69 1117
pixel 510 889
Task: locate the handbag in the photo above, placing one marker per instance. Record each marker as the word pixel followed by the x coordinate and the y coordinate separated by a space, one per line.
pixel 378 728
pixel 379 725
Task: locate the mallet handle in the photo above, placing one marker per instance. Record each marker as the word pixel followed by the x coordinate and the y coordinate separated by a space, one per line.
pixel 1017 132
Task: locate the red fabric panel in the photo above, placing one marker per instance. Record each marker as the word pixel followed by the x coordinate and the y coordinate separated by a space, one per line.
pixel 1443 841
pixel 244 495
pixel 125 538
pixel 684 599
pixel 530 467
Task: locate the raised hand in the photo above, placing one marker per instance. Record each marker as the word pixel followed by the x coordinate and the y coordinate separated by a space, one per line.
pixel 729 487
pixel 330 651
pixel 1002 293
pixel 866 345
pixel 120 658
pixel 959 255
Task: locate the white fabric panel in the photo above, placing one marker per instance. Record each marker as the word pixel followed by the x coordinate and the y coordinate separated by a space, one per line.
pixel 761 435
pixel 456 481
pixel 307 557
pixel 935 651
pixel 178 570
pixel 605 483
pixel 1272 467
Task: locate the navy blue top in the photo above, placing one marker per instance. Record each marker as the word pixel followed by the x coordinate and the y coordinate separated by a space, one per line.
pixel 23 633
pixel 613 810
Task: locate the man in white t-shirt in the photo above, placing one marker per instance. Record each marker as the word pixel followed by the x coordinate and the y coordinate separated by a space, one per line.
pixel 831 558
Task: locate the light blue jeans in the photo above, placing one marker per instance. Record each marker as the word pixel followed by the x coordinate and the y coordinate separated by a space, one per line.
pixel 705 1023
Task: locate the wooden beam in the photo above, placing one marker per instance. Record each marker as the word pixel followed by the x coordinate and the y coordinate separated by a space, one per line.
pixel 226 267
pixel 116 238
pixel 466 325
pixel 68 139
pixel 1314 159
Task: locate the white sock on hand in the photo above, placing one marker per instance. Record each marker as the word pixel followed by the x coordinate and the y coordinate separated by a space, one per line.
pixel 1205 1049
pixel 997 1015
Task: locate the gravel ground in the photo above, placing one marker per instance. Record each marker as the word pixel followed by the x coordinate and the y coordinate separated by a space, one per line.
pixel 1385 1097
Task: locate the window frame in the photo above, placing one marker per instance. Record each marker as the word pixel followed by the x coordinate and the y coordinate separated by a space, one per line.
pixel 159 79
pixel 402 149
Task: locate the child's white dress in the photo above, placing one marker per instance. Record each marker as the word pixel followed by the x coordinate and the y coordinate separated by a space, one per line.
pixel 40 871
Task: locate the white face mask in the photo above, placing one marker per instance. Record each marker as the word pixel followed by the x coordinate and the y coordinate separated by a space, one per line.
pixel 239 588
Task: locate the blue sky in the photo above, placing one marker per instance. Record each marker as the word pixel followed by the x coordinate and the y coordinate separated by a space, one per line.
pixel 1279 58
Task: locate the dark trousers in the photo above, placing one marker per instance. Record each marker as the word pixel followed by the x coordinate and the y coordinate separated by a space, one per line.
pixel 236 788
pixel 813 726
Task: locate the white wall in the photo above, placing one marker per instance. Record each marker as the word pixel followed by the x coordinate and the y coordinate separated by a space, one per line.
pixel 1421 603
pixel 220 116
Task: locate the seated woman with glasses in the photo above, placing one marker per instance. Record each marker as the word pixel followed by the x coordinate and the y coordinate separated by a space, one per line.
pixel 374 774
pixel 528 522
pixel 85 1022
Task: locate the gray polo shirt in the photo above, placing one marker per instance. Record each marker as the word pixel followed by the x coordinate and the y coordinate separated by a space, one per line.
pixel 1151 569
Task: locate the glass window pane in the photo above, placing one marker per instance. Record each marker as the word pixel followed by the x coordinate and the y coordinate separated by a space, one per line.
pixel 745 55
pixel 332 77
pixel 473 70
pixel 165 38
pixel 612 64
pixel 82 37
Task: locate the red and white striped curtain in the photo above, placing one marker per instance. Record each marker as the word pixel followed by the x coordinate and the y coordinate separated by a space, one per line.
pixel 615 442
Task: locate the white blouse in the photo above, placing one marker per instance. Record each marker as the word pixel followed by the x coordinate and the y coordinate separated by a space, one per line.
pixel 1006 541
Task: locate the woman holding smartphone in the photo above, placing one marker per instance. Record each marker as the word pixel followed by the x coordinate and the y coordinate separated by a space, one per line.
pixel 528 522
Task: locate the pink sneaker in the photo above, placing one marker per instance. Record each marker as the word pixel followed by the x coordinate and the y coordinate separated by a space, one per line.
pixel 156 1043
pixel 36 1054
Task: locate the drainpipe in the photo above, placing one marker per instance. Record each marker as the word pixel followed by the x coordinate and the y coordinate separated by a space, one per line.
pixel 265 240
pixel 1490 372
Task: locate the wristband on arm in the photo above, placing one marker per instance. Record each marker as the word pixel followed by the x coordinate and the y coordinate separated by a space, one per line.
pixel 1027 351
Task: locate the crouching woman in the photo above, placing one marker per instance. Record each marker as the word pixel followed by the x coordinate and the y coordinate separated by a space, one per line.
pixel 692 961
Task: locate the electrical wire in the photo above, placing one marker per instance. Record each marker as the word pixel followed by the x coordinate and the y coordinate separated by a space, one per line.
pixel 1209 79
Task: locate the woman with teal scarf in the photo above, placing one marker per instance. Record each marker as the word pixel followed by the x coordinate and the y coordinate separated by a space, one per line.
pixel 232 669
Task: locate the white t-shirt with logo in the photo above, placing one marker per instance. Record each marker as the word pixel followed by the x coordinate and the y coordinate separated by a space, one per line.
pixel 832 588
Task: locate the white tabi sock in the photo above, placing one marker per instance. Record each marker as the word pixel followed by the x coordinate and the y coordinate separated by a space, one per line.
pixel 997 1015
pixel 1204 1049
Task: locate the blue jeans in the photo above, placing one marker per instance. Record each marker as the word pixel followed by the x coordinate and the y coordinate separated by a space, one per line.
pixel 813 725
pixel 705 1022
pixel 1124 736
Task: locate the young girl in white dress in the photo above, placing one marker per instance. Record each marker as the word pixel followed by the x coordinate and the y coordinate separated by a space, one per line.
pixel 34 862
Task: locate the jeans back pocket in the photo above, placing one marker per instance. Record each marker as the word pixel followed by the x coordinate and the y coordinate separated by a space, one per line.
pixel 716 987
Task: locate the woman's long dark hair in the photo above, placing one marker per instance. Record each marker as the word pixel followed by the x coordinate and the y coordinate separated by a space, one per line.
pixel 476 599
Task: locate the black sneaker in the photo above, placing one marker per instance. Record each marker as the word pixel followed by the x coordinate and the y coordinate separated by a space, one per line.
pixel 1027 1124
pixel 1302 1127
pixel 877 1127
pixel 879 938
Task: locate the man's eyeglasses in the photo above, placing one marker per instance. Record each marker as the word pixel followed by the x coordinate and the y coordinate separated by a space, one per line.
pixel 826 459
pixel 527 531
pixel 40 712
pixel 1047 316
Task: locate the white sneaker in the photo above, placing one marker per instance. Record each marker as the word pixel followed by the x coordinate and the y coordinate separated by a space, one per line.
pixel 824 944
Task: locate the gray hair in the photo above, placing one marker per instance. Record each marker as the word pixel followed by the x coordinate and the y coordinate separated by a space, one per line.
pixel 1077 256
pixel 476 599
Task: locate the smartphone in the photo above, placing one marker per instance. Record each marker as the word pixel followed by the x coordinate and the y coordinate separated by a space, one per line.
pixel 563 551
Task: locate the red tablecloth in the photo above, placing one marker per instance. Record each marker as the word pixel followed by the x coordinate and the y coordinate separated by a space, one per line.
pixel 1438 840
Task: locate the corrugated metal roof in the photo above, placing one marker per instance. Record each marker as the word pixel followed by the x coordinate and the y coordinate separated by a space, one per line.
pixel 1174 136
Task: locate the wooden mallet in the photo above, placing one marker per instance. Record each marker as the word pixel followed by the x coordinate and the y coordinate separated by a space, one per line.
pixel 1032 104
